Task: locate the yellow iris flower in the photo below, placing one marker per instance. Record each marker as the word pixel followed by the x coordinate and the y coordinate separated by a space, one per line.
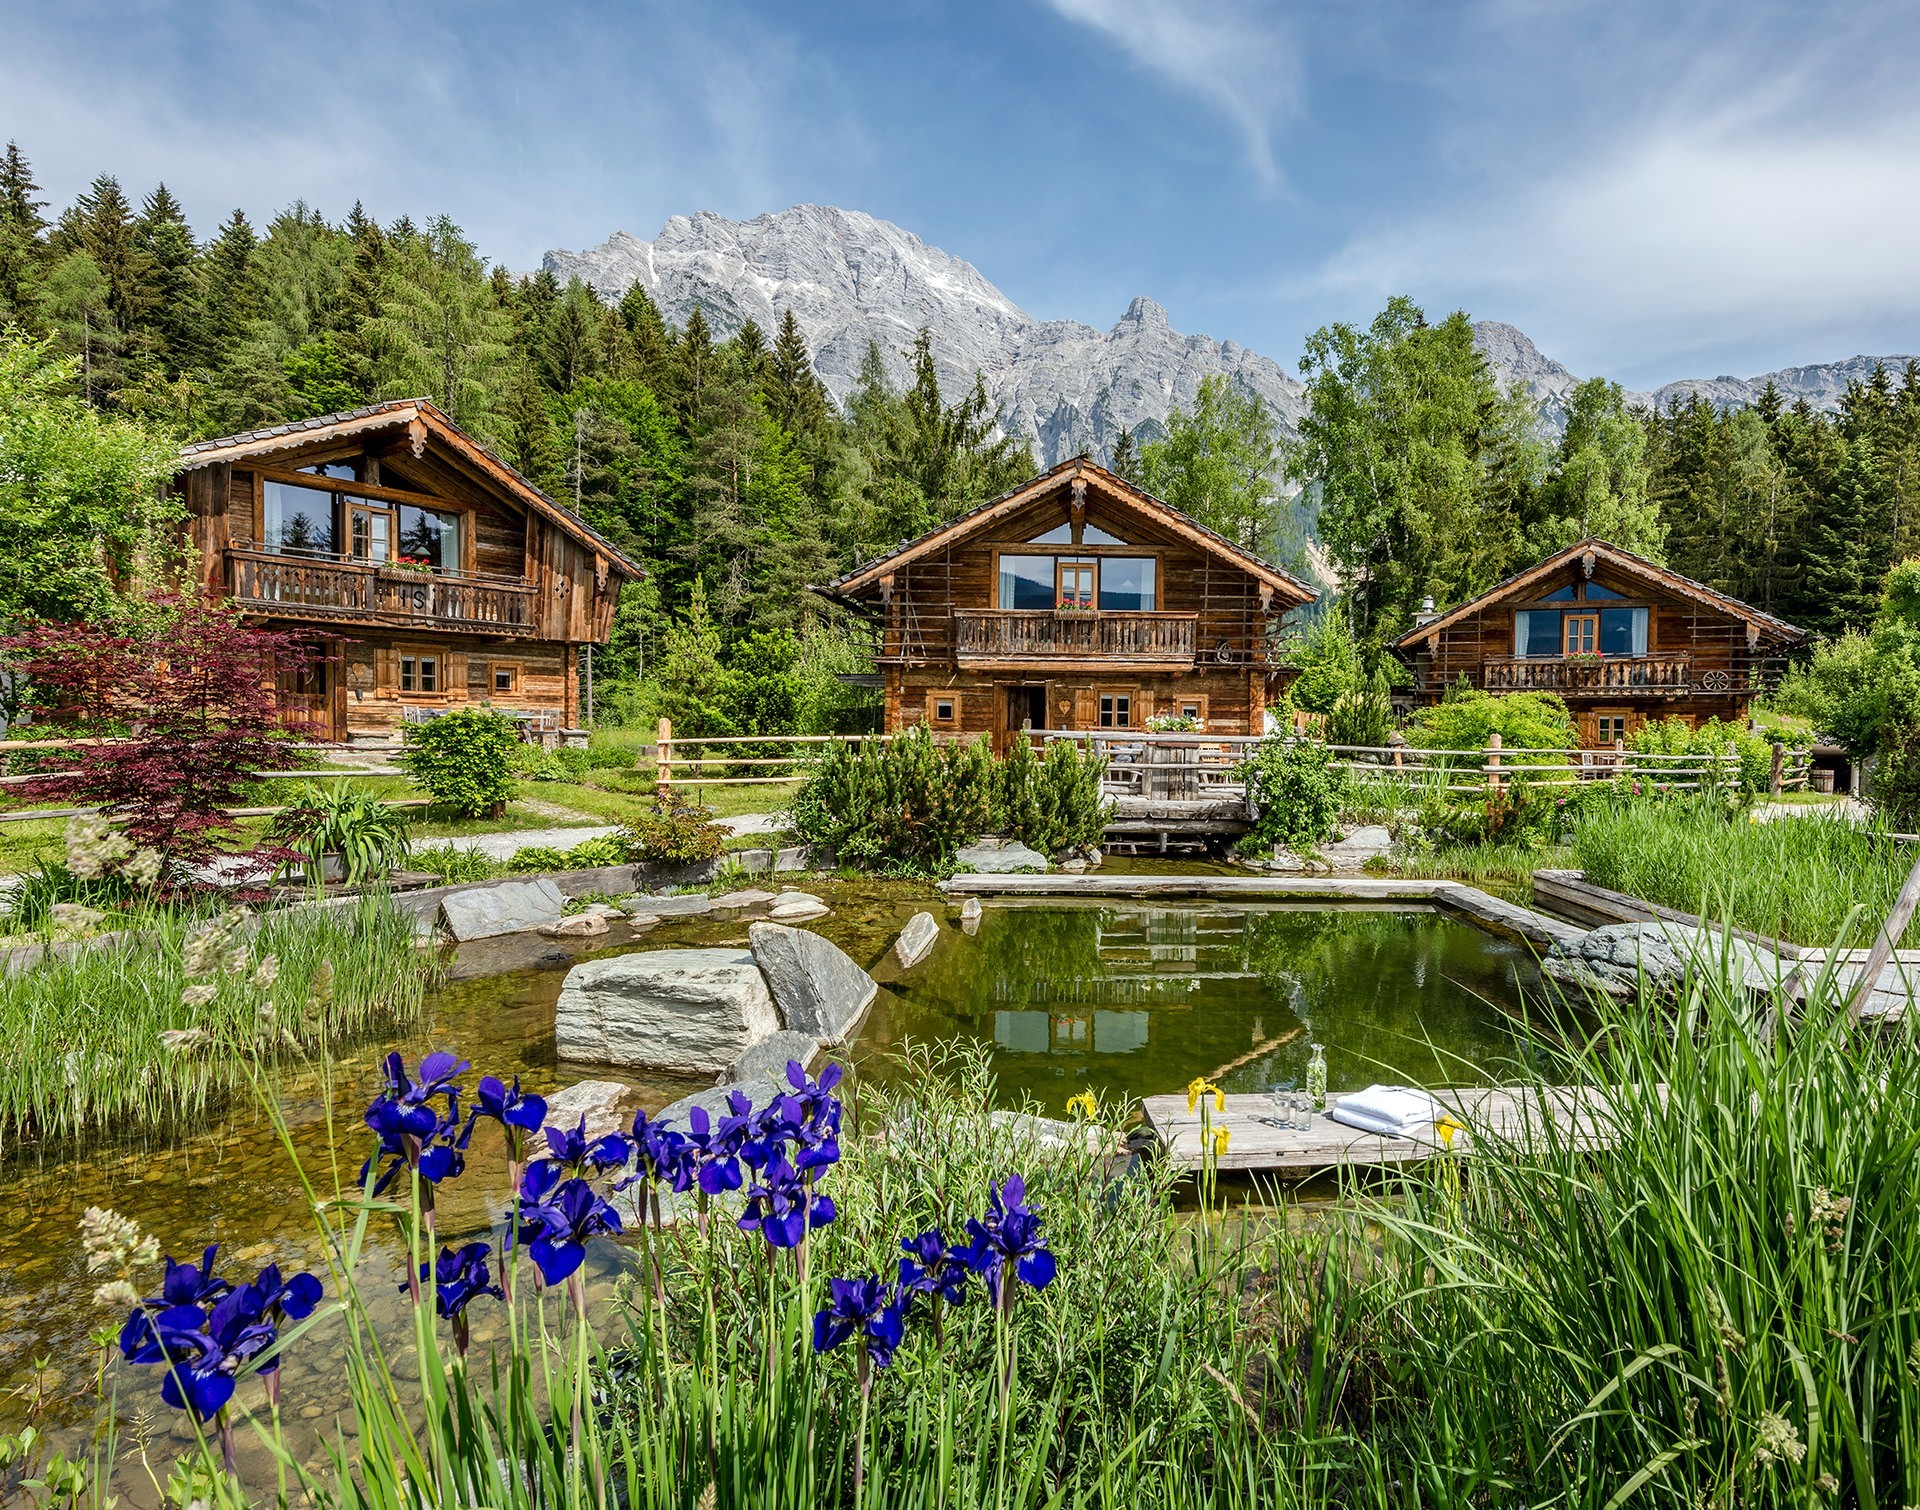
pixel 1219 1141
pixel 1201 1086
pixel 1085 1105
pixel 1446 1127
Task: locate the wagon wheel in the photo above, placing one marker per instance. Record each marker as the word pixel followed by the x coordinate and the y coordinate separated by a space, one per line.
pixel 1223 652
pixel 1715 681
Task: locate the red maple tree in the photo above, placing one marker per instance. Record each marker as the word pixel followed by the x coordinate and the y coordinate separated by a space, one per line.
pixel 185 710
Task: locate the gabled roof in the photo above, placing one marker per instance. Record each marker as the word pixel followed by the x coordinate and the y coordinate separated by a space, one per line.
pixel 1623 561
pixel 399 414
pixel 1288 586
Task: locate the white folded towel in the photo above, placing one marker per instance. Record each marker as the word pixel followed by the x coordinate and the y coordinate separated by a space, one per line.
pixel 1394 1111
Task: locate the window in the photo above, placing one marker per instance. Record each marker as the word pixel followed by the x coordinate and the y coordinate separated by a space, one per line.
pixel 1074 580
pixel 1126 583
pixel 429 537
pixel 1583 633
pixel 1536 632
pixel 1560 595
pixel 504 677
pixel 1609 728
pixel 943 708
pixel 1026 582
pixel 345 470
pixel 370 531
pixel 1595 592
pixel 1090 534
pixel 1194 708
pixel 299 521
pixel 1116 710
pixel 419 673
pixel 1623 631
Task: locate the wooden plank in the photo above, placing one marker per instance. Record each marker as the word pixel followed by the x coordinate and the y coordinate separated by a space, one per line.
pixel 1256 1145
pixel 1360 888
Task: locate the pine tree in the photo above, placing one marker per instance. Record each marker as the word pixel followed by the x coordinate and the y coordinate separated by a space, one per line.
pixel 1842 586
pixel 567 332
pixel 1126 460
pixel 22 236
pixel 692 369
pixel 230 281
pixel 178 317
pixel 101 224
pixel 439 332
pixel 651 342
pixel 793 393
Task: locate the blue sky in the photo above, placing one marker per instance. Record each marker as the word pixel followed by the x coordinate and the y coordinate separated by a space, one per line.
pixel 1650 190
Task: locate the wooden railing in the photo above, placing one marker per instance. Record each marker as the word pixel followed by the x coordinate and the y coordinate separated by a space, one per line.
pixel 1581 674
pixel 325 587
pixel 996 634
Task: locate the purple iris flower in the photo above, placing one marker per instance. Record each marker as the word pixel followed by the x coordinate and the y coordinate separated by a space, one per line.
pixel 715 1161
pixel 277 1300
pixel 406 1105
pixel 781 1208
pixel 868 1308
pixel 204 1349
pixel 185 1285
pixel 1009 1238
pixel 577 1154
pixel 556 1227
pixel 460 1277
pixel 517 1111
pixel 932 1268
pixel 438 1154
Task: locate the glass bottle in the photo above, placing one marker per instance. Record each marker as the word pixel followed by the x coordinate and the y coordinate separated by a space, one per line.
pixel 1317 1077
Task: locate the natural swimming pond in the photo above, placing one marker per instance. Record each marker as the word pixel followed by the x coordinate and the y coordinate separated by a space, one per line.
pixel 1124 998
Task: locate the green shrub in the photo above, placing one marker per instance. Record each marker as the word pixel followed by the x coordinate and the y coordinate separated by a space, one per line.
pixel 908 799
pixel 539 764
pixel 1466 717
pixel 1051 803
pixel 1894 790
pixel 591 854
pixel 530 858
pixel 1296 793
pixel 1361 717
pixel 1670 736
pixel 464 760
pixel 453 863
pixel 673 833
pixel 369 836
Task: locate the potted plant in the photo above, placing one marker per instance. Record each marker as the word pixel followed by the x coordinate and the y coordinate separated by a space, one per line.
pixel 339 834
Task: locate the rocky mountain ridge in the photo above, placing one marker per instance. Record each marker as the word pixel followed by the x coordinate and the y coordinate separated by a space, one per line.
pixel 851 279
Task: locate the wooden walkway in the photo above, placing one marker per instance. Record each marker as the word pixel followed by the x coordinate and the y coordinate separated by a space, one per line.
pixel 1256 1146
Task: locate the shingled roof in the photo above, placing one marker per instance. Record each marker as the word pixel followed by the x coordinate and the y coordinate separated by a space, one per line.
pixel 870 572
pixel 1624 560
pixel 395 413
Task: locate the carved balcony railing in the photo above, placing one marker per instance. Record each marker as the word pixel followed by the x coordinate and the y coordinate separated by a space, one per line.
pixel 1583 676
pixel 327 587
pixel 993 636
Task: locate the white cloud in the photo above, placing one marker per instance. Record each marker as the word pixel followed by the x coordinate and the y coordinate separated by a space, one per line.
pixel 1694 235
pixel 1224 52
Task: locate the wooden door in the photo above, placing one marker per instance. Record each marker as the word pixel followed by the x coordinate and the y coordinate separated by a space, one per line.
pixel 1582 634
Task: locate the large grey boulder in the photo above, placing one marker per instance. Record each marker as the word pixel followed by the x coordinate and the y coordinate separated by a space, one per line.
pixel 485 912
pixel 686 904
pixel 817 986
pixel 689 1010
pixel 602 1102
pixel 916 939
pixel 1620 956
pixel 768 1059
pixel 1363 844
pixel 999 857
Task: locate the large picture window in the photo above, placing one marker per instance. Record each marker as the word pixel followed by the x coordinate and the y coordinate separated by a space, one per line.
pixel 1118 584
pixel 1126 583
pixel 299 521
pixel 302 521
pixel 1551 632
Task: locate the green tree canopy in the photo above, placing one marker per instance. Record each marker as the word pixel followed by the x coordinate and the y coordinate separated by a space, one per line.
pixel 1219 463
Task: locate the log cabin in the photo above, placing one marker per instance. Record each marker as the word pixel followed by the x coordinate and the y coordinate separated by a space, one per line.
pixel 1074 602
pixel 1620 639
pixel 428 573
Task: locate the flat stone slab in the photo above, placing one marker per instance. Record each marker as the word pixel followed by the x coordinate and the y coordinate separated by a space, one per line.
pixel 820 990
pixel 688 904
pixel 694 1011
pixel 797 907
pixel 603 1103
pixel 768 1059
pixel 916 939
pixel 736 901
pixel 999 857
pixel 772 861
pixel 511 907
pixel 580 925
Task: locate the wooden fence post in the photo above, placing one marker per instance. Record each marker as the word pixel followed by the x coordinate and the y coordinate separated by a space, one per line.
pixel 1493 762
pixel 1778 777
pixel 663 758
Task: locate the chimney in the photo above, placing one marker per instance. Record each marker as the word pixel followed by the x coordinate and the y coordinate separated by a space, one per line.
pixel 1426 615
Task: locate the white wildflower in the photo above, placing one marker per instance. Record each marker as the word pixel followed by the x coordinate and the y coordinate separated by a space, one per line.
pixel 199 995
pixel 1779 1440
pixel 144 868
pixel 117 1295
pixel 266 972
pixel 112 1241
pixel 178 1040
pixel 94 846
pixel 72 917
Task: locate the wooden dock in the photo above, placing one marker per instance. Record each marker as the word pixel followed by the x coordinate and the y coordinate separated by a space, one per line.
pixel 1256 1146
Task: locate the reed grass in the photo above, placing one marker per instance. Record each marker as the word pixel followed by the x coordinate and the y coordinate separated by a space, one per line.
pixel 83 1032
pixel 1796 878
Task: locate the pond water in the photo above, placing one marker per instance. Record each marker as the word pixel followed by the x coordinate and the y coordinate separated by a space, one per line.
pixel 1124 998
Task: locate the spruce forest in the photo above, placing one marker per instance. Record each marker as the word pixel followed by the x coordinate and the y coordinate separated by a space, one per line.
pixel 726 469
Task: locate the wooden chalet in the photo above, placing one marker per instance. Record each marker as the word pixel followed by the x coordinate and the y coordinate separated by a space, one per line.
pixel 1622 640
pixel 429 573
pixel 1074 602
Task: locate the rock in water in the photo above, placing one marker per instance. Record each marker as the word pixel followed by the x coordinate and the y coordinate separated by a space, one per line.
pixel 580 925
pixel 920 935
pixel 768 1059
pixel 689 1010
pixel 820 991
pixel 737 901
pixel 689 904
pixel 797 907
pixel 601 1102
pixel 999 857
pixel 486 912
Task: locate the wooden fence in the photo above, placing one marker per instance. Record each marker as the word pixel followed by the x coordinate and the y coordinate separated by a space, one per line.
pixel 684 761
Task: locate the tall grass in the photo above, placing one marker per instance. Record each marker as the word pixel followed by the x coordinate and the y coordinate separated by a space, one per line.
pixel 113 1038
pixel 1795 878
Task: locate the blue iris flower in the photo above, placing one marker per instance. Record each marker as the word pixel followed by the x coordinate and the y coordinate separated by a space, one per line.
pixel 185 1285
pixel 438 1154
pixel 715 1161
pixel 206 1347
pixel 932 1268
pixel 555 1227
pixel 577 1154
pixel 460 1277
pixel 1009 1238
pixel 405 1105
pixel 867 1308
pixel 277 1299
pixel 781 1208
pixel 515 1110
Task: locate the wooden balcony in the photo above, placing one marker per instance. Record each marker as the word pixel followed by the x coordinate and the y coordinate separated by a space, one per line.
pixel 1598 676
pixel 328 588
pixel 1039 639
